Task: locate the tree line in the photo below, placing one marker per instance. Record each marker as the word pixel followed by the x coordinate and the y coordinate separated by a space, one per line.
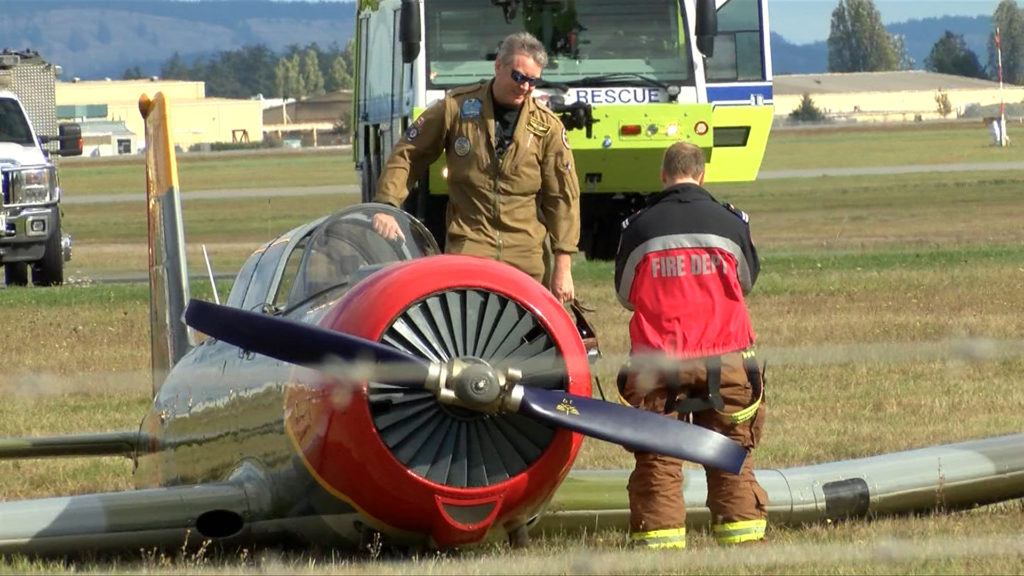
pixel 298 73
pixel 858 42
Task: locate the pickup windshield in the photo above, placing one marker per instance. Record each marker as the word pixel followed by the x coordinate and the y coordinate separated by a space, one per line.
pixel 13 124
pixel 596 38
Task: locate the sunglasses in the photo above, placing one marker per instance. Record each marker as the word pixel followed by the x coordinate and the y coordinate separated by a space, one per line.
pixel 518 77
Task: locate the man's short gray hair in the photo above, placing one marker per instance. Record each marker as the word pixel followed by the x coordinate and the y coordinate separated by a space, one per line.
pixel 522 43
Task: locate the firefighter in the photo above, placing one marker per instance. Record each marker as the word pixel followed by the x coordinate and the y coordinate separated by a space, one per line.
pixel 684 264
pixel 511 178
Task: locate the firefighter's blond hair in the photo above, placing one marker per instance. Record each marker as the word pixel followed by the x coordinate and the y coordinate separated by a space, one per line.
pixel 522 43
pixel 683 159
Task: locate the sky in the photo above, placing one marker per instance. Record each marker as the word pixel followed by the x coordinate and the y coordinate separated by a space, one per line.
pixel 806 21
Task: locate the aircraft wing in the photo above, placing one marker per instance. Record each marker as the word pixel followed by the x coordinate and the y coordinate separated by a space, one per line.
pixel 165 517
pixel 101 444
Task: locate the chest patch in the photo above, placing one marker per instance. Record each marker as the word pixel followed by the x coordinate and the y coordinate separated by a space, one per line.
pixel 462 146
pixel 471 109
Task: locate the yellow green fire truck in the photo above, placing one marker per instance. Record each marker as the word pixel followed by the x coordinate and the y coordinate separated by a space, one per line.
pixel 627 79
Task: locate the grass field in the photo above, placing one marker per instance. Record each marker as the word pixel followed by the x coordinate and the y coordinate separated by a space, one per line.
pixel 889 309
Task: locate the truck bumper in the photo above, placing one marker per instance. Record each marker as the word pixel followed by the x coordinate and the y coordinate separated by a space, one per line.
pixel 23 238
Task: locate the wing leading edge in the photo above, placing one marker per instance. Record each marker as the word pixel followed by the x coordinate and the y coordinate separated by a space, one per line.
pixel 158 517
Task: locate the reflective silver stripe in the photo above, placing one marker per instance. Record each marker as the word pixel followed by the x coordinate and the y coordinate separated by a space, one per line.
pixel 742 531
pixel 665 538
pixel 680 241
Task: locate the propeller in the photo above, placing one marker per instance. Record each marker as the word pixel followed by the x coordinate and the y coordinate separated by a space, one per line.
pixel 467 382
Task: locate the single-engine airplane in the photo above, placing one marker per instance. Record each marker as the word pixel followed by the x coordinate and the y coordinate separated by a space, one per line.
pixel 353 386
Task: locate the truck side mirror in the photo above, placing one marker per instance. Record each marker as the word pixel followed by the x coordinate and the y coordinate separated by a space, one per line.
pixel 70 139
pixel 409 30
pixel 706 26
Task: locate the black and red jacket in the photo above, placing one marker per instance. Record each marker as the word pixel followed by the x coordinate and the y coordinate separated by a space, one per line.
pixel 684 264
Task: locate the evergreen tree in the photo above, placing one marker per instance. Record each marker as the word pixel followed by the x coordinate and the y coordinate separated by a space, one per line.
pixel 286 78
pixel 858 42
pixel 309 70
pixel 807 111
pixel 133 73
pixel 337 76
pixel 175 68
pixel 1009 21
pixel 950 55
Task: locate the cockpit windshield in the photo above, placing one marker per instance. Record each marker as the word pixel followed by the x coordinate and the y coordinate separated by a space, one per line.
pixel 345 248
pixel 583 38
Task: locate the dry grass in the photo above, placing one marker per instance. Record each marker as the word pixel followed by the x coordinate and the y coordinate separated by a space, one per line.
pixel 889 310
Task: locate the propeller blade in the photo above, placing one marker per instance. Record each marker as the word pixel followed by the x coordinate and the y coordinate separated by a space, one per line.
pixel 307 345
pixel 632 428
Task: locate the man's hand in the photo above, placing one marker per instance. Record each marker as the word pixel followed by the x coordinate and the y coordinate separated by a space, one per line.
pixel 387 226
pixel 561 278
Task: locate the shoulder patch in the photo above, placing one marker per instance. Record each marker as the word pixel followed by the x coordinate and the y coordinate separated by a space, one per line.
pixel 537 125
pixel 739 213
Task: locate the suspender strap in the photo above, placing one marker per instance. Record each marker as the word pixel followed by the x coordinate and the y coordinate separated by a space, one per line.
pixel 713 399
pixel 672 386
pixel 756 378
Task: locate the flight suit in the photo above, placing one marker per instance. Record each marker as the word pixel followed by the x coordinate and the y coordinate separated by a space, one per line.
pixel 496 202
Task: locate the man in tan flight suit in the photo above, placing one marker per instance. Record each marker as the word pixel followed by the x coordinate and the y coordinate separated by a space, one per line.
pixel 511 177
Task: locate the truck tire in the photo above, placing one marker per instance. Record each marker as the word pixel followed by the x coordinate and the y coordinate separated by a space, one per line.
pixel 49 271
pixel 16 274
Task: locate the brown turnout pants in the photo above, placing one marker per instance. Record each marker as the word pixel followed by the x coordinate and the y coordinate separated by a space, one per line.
pixel 655 486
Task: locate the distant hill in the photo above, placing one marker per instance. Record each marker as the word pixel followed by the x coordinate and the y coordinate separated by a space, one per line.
pixel 102 38
pixel 919 36
pixel 790 58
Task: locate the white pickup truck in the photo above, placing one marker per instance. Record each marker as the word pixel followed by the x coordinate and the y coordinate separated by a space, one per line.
pixel 30 212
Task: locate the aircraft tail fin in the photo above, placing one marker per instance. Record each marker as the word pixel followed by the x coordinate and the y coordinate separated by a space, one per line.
pixel 170 338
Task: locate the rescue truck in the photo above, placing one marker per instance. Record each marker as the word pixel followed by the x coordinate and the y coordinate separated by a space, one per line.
pixel 627 79
pixel 30 213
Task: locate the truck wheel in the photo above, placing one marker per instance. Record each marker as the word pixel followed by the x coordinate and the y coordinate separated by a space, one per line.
pixel 49 271
pixel 16 274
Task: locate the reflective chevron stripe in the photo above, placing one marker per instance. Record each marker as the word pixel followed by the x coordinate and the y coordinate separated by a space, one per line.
pixel 742 531
pixel 655 539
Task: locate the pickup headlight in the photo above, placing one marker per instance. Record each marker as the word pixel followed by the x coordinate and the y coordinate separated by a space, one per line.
pixel 30 185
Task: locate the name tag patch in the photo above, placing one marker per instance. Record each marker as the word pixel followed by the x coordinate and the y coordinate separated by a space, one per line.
pixel 471 108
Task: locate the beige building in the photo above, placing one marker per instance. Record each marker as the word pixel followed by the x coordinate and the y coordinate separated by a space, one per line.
pixel 315 121
pixel 888 96
pixel 195 119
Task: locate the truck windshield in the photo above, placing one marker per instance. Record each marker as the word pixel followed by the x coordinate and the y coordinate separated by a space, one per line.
pixel 584 38
pixel 13 125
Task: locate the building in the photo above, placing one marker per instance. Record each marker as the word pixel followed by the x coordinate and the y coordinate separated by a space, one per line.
pixel 196 119
pixel 108 138
pixel 903 96
pixel 315 121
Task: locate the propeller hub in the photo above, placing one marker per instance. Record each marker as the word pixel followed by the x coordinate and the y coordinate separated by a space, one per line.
pixel 477 384
pixel 470 383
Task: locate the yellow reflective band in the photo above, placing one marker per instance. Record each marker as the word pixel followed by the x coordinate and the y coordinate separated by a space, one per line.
pixel 747 413
pixel 737 532
pixel 623 400
pixel 659 539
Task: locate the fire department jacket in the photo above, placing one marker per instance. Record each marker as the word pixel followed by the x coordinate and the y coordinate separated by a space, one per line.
pixel 685 263
pixel 493 202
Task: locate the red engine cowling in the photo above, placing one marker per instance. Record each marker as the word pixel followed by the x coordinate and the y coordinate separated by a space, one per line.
pixel 417 467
